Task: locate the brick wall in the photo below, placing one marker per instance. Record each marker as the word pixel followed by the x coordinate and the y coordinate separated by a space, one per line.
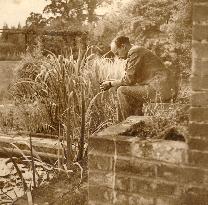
pixel 124 170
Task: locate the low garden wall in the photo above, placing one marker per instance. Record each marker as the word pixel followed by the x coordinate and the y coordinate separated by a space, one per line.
pixel 128 170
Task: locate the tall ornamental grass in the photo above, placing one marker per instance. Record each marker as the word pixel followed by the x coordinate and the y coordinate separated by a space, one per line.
pixel 66 95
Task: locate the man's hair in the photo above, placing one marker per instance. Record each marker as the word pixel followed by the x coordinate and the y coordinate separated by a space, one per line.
pixel 120 40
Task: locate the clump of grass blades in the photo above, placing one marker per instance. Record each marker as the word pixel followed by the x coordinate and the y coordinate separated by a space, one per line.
pixel 66 90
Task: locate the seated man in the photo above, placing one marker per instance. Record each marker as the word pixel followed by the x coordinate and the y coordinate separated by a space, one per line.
pixel 146 78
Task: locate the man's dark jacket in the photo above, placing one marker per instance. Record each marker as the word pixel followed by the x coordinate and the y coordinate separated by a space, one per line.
pixel 143 67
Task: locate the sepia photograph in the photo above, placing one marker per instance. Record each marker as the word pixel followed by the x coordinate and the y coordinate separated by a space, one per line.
pixel 103 102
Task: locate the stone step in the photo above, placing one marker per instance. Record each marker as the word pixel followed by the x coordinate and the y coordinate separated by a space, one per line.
pixel 44 147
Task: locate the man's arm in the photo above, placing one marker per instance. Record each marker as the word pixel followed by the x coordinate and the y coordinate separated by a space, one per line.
pixel 109 84
pixel 116 83
pixel 133 67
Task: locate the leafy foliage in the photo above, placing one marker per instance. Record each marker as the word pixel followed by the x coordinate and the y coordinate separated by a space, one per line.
pixel 35 21
pixel 74 12
pixel 164 26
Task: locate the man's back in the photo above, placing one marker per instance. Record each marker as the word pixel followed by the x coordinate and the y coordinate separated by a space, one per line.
pixel 145 68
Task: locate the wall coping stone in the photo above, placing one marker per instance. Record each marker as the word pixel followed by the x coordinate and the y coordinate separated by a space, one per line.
pixel 123 127
pixel 112 141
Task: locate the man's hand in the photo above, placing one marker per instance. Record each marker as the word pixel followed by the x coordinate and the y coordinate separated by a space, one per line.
pixel 105 85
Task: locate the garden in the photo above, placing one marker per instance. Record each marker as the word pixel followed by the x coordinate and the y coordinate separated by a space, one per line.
pixel 55 91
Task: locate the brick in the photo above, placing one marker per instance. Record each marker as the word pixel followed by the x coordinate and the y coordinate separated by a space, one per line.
pixel 143 168
pixel 198 158
pixel 163 150
pixel 121 199
pixel 136 167
pixel 194 196
pixel 152 187
pixel 165 189
pixel 200 12
pixel 180 174
pixel 123 147
pixel 198 129
pixel 199 114
pixel 104 163
pixel 197 190
pixel 192 175
pixel 99 178
pixel 167 201
pixel 142 149
pixel 97 203
pixel 141 200
pixel 123 165
pixel 195 83
pixel 168 172
pixel 199 67
pixel 200 50
pixel 100 194
pixel 102 145
pixel 206 177
pixel 200 32
pixel 204 82
pixel 199 99
pixel 199 1
pixel 198 144
pixel 122 183
pixel 199 83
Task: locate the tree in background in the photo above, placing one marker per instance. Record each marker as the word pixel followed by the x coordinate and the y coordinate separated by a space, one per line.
pixel 68 12
pixel 74 13
pixel 36 21
pixel 62 15
pixel 164 26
